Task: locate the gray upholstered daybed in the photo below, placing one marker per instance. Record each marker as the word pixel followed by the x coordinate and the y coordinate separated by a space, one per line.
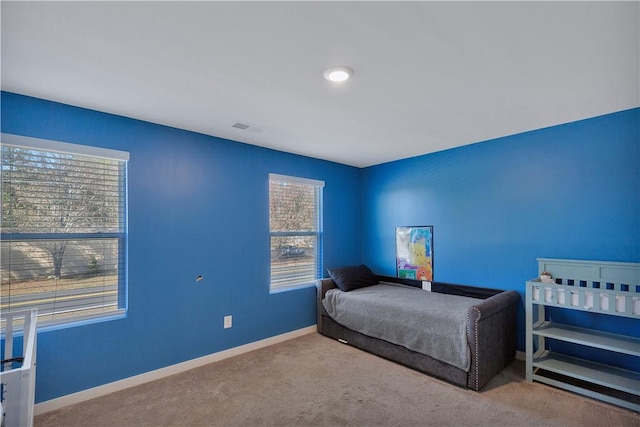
pixel 486 324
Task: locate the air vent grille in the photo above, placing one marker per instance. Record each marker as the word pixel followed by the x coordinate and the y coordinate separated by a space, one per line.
pixel 247 127
pixel 239 125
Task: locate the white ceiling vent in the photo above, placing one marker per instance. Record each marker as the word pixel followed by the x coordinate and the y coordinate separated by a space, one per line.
pixel 239 125
pixel 245 126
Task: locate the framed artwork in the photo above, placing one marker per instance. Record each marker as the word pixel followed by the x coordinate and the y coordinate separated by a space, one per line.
pixel 414 252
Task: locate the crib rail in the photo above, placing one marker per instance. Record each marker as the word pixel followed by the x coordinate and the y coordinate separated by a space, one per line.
pixel 606 287
pixel 623 303
pixel 18 375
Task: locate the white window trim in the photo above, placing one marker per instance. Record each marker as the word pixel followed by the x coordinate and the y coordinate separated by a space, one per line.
pixel 27 142
pixel 289 178
pixel 319 224
pixel 63 147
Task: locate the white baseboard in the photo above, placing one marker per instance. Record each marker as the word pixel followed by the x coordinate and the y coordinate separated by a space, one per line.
pixel 81 396
pixel 521 355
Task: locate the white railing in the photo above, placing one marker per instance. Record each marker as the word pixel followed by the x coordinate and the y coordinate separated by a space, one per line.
pixel 17 383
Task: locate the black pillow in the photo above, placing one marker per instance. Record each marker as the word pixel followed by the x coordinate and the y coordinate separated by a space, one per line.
pixel 350 278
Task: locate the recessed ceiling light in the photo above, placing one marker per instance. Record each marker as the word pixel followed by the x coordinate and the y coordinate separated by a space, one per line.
pixel 338 74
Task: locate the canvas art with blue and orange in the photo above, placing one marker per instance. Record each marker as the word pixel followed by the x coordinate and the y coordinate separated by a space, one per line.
pixel 414 252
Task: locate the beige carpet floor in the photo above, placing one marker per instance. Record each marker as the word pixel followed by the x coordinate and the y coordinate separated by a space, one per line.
pixel 315 381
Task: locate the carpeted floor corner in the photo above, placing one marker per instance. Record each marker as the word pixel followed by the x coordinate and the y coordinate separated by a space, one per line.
pixel 316 381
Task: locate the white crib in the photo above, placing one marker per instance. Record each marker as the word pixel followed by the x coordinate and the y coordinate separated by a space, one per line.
pixel 18 375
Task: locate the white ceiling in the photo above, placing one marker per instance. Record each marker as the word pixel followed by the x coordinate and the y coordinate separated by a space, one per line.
pixel 428 75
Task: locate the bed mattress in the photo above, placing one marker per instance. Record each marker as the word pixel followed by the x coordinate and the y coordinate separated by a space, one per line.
pixel 426 322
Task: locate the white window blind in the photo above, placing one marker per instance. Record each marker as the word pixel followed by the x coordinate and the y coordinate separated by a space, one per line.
pixel 63 235
pixel 295 222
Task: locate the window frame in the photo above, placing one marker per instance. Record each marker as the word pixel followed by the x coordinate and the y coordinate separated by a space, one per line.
pixel 317 233
pixel 121 235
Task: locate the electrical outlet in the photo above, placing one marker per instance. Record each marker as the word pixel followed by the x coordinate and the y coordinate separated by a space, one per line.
pixel 228 321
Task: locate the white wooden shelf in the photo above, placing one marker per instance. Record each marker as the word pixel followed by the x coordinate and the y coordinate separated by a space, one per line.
pixel 589 337
pixel 585 370
pixel 600 287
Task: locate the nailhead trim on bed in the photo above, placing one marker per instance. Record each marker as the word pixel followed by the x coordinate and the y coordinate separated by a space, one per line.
pixel 476 361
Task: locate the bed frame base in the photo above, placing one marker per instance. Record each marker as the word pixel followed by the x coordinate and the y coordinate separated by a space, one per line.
pixel 491 334
pixel 394 353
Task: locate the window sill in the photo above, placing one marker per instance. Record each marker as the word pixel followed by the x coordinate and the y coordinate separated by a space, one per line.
pixel 293 288
pixel 89 320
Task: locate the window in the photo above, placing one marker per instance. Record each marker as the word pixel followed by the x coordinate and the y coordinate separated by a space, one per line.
pixel 63 234
pixel 295 222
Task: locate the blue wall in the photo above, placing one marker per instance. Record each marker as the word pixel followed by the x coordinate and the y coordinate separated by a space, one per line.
pixel 197 205
pixel 568 191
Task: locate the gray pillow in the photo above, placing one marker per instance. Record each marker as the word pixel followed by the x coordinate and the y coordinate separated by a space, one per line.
pixel 350 278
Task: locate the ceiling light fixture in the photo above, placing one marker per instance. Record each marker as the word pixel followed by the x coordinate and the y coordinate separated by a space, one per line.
pixel 338 74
